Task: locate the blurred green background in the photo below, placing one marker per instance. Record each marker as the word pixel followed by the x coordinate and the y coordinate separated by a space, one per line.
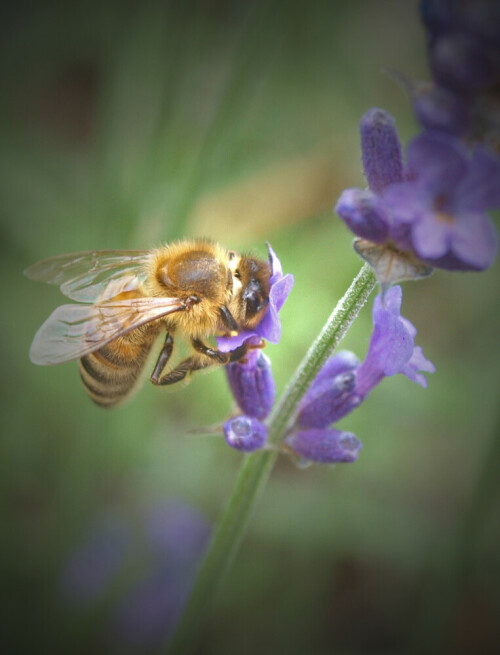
pixel 128 124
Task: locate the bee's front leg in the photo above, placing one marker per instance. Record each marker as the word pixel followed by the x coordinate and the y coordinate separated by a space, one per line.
pixel 163 358
pixel 217 356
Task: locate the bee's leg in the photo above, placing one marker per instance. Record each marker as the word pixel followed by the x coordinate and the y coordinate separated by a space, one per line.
pixel 193 363
pixel 163 358
pixel 217 356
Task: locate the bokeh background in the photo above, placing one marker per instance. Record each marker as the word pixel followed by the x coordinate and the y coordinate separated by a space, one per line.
pixel 127 124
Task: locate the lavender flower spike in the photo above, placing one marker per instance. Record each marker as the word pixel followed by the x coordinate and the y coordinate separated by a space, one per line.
pixel 269 327
pixel 325 446
pixel 245 433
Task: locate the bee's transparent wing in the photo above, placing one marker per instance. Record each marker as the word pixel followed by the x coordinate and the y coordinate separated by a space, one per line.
pixel 86 276
pixel 72 331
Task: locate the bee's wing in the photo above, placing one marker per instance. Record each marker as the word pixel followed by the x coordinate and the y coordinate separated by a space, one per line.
pixel 86 276
pixel 72 331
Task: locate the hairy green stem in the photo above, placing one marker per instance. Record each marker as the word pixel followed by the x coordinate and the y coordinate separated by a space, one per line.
pixel 256 468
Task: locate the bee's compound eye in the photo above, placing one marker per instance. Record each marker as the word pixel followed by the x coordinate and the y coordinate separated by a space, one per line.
pixel 254 302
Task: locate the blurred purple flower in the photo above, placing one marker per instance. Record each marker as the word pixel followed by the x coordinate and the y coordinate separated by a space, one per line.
pixel 442 207
pixel 464 54
pixel 269 327
pixel 437 209
pixel 94 565
pixel 155 558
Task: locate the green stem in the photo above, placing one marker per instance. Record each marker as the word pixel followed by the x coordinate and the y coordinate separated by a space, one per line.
pixel 257 467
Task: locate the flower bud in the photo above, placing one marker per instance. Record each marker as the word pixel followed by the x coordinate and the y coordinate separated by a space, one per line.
pixel 331 395
pixel 245 433
pixel 252 384
pixel 382 158
pixel 325 446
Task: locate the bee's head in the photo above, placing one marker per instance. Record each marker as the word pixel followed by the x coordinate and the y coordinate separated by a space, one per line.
pixel 250 290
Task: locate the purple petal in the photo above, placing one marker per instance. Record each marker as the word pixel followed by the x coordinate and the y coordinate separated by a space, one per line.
pixel 418 362
pixel 381 150
pixel 406 201
pixel 475 240
pixel 270 326
pixel 439 161
pixel 325 446
pixel 432 235
pixel 391 343
pixel 364 214
pixel 226 344
pixel 480 189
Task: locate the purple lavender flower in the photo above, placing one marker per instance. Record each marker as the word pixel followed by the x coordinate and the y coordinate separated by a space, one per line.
pixel 435 212
pixel 331 394
pixel 440 211
pixel 343 383
pixel 245 433
pixel 252 384
pixel 324 446
pixel 269 327
pixel 392 346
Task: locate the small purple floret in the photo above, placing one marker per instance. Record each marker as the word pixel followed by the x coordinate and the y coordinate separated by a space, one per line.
pixel 331 395
pixel 269 327
pixel 392 346
pixel 325 446
pixel 245 433
pixel 252 384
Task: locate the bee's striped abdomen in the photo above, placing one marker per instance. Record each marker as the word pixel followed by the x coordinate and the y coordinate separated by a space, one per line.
pixel 110 374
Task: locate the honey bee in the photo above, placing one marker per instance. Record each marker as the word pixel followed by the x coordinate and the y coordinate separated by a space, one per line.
pixel 195 288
